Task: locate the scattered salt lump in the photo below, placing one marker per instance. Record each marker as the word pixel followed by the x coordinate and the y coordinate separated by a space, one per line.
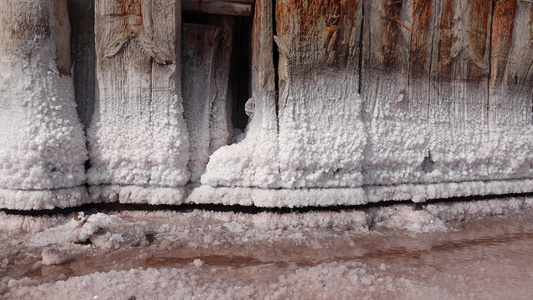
pixel 101 230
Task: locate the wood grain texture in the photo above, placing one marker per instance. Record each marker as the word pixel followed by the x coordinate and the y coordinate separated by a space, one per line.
pixel 511 81
pixel 221 127
pixel 443 84
pixel 319 107
pixel 440 92
pixel 138 135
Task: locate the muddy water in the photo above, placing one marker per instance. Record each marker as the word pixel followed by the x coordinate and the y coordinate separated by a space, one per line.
pixel 492 258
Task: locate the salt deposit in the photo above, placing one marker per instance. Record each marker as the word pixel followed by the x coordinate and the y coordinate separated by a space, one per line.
pixel 375 252
pixel 42 145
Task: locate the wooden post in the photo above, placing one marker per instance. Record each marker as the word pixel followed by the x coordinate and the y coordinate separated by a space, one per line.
pixel 321 133
pixel 42 146
pixel 138 143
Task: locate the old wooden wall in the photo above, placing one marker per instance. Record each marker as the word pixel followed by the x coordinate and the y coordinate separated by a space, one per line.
pixel 344 94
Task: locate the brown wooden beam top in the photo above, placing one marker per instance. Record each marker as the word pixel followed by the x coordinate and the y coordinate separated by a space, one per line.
pixel 219 7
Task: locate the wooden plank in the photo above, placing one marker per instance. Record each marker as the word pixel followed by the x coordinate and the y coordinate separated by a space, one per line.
pixel 42 145
pixel 138 135
pixel 394 137
pixel 511 82
pixel 320 129
pixel 221 127
pixel 233 8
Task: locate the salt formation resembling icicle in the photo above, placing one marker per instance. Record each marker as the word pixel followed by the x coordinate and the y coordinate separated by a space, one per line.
pixel 42 146
pixel 138 144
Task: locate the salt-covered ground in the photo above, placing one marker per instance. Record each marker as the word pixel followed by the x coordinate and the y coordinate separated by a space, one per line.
pixel 449 250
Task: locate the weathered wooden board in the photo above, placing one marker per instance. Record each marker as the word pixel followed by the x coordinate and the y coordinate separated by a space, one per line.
pixel 321 133
pixel 393 137
pixel 220 125
pixel 138 135
pixel 433 91
pixel 445 107
pixel 510 90
pixel 42 146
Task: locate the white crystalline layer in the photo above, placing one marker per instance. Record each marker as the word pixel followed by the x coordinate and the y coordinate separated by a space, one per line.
pixel 254 161
pixel 401 157
pixel 336 280
pixel 43 199
pixel 42 145
pixel 321 134
pixel 137 194
pixel 135 148
pixel 277 197
pixel 354 196
pixel 411 151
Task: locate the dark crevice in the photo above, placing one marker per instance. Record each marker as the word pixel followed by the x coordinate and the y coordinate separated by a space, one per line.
pixel 489 50
pixel 275 55
pixel 428 165
pixel 185 208
pixel 361 45
pixel 240 72
pixel 150 237
pixel 86 242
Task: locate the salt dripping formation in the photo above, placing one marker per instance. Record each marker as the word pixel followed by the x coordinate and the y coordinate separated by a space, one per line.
pixel 349 102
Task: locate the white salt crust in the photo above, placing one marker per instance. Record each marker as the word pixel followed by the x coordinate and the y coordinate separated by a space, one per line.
pixel 43 199
pixel 326 281
pixel 137 194
pixel 54 237
pixel 42 145
pixel 354 196
pixel 324 144
pixel 138 135
pixel 49 199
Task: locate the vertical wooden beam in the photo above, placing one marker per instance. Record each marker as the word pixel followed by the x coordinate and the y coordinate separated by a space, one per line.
pixel 206 64
pixel 42 146
pixel 394 134
pixel 321 133
pixel 138 136
pixel 221 128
